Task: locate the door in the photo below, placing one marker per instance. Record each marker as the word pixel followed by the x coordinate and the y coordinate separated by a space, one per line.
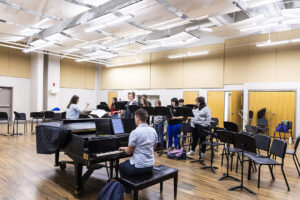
pixel 236 105
pixel 279 106
pixel 6 100
pixel 215 101
pixel 190 96
pixel 110 96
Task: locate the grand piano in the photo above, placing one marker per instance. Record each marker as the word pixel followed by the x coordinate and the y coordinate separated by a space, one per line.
pixel 93 143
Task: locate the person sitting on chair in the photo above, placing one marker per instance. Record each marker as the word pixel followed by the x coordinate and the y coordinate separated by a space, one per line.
pixel 142 142
pixel 73 110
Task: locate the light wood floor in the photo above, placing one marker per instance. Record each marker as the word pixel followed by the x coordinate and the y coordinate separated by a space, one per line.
pixel 26 175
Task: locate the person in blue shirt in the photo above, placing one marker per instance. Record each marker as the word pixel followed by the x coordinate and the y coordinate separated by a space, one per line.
pixel 141 144
pixel 73 110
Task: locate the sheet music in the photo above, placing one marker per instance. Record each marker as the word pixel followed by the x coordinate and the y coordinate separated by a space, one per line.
pixel 100 113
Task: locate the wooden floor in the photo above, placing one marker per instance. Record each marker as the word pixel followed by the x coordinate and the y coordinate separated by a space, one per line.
pixel 26 175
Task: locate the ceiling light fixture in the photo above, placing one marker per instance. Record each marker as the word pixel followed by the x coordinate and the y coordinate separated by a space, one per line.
pixel 265 44
pixel 188 54
pixel 251 28
pixel 295 40
pixel 38 47
pixel 108 23
pixel 128 63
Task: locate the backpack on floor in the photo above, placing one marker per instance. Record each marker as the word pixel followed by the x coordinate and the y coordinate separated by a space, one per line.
pixel 281 128
pixel 175 154
pixel 113 190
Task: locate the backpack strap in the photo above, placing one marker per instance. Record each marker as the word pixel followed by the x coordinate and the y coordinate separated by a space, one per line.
pixel 104 190
pixel 110 190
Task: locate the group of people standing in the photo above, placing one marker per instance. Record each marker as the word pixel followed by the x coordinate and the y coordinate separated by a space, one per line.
pixel 200 121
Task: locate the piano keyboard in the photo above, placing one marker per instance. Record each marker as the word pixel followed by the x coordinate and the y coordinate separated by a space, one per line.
pixel 109 153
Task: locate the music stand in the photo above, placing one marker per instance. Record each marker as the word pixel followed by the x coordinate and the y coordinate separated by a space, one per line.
pixel 189 105
pixel 150 110
pixel 103 103
pixel 228 138
pixel 104 107
pixel 120 105
pixel 184 111
pixel 245 143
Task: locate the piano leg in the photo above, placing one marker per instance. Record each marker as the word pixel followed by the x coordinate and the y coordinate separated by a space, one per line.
pixel 111 169
pixel 57 159
pixel 78 178
pixel 117 168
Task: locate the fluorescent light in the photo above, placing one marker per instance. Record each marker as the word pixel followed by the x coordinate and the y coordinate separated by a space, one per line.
pixel 206 29
pixel 202 17
pixel 265 44
pixel 295 40
pixel 41 22
pixel 261 3
pixel 38 47
pixel 108 23
pixel 291 21
pixel 165 22
pixel 188 54
pixel 128 63
pixel 154 46
pixel 258 27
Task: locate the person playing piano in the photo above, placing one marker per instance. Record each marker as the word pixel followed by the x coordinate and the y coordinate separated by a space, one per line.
pixel 73 110
pixel 141 144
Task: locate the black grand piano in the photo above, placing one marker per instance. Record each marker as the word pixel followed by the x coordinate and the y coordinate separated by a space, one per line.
pixel 93 143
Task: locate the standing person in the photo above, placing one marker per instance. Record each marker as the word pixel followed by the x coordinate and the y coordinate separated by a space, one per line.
pixel 181 102
pixel 158 122
pixel 131 101
pixel 146 98
pixel 73 110
pixel 200 121
pixel 114 113
pixel 144 102
pixel 173 127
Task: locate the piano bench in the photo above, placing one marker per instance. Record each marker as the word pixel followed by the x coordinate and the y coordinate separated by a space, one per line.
pixel 140 182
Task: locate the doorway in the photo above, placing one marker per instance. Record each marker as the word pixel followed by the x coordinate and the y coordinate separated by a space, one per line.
pixel 6 100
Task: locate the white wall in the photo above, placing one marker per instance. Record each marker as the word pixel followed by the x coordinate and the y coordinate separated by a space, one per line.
pixel 36 82
pixel 166 95
pixel 21 93
pixel 53 77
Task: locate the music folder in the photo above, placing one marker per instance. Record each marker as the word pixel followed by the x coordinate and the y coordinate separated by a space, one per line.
pixel 103 107
pixel 150 110
pixel 162 111
pixel 190 106
pixel 134 108
pixel 184 111
pixel 120 105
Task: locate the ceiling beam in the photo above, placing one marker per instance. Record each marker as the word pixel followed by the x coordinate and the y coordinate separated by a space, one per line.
pixel 109 7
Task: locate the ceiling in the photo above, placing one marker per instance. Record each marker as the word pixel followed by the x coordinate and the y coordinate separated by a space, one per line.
pixel 98 30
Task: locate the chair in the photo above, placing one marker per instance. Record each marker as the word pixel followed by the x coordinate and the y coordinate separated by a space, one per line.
pixel 19 118
pixel 252 129
pixel 215 121
pixel 230 126
pixel 262 125
pixel 4 119
pixel 49 116
pixel 290 131
pixel 262 143
pixel 63 116
pixel 185 128
pixel 250 117
pixel 294 153
pixel 278 149
pixel 36 116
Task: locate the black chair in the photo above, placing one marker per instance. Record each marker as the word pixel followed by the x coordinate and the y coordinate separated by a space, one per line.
pixel 278 149
pixel 4 119
pixel 36 116
pixel 215 121
pixel 290 131
pixel 227 138
pixel 250 117
pixel 294 153
pixel 63 116
pixel 262 125
pixel 262 143
pixel 252 129
pixel 245 143
pixel 186 130
pixel 49 116
pixel 230 126
pixel 20 118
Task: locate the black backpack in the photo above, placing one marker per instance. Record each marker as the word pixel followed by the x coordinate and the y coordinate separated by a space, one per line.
pixel 113 190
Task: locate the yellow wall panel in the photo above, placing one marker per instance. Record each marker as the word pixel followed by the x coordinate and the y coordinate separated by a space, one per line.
pixel 215 101
pixel 190 96
pixel 165 72
pixel 76 74
pixel 279 106
pixel 111 78
pixel 137 76
pixel 236 61
pixel 236 105
pixel 204 71
pixel 18 64
pixel 3 61
pixel 110 96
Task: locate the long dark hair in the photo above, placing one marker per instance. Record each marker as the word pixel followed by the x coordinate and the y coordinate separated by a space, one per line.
pixel 201 100
pixel 73 100
pixel 175 100
pixel 115 100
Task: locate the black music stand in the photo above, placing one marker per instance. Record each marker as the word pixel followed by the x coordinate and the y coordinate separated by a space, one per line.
pixel 245 143
pixel 228 138
pixel 104 107
pixel 120 105
pixel 189 105
pixel 150 110
pixel 133 108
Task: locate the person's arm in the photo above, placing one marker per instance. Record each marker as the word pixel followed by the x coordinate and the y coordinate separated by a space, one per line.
pixel 128 150
pixel 85 108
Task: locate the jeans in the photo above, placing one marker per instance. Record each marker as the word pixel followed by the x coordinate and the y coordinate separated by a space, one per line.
pixel 127 168
pixel 197 133
pixel 173 131
pixel 114 116
pixel 159 128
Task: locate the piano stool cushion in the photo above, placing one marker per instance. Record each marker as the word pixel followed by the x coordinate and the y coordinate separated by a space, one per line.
pixel 143 181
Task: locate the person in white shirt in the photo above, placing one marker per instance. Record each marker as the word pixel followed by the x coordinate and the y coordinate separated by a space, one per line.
pixel 73 110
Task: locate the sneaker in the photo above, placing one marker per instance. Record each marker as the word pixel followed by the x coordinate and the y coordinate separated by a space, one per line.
pixel 190 153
